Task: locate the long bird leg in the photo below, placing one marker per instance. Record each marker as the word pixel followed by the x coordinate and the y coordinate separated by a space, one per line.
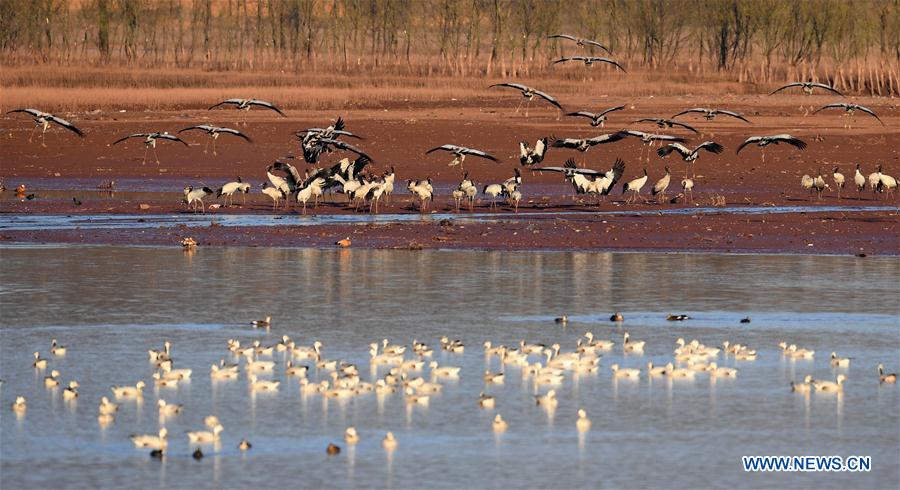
pixel 519 106
pixel 31 136
pixel 43 138
pixel 214 147
pixel 155 155
pixel 144 160
pixel 206 148
pixel 527 105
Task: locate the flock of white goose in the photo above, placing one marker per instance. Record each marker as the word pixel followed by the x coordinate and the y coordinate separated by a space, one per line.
pixel 545 366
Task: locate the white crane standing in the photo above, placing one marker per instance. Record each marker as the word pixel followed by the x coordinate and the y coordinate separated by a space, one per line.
pixel 838 180
pixel 193 196
pixel 634 186
pixel 230 188
pixel 659 189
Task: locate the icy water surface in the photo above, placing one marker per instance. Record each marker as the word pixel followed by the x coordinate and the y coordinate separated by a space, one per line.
pixel 136 221
pixel 109 305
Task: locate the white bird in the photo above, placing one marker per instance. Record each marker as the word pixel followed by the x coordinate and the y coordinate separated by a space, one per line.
pixel 583 424
pixel 515 198
pixel 625 372
pixel 493 378
pixel 413 399
pixel 152 441
pixel 52 381
pixel 230 188
pixel 71 391
pixel 443 371
pixel 659 189
pixel 838 180
pixel 836 385
pixel 135 391
pixel 499 425
pixel 107 407
pixel 630 346
pixel 839 361
pixel 529 156
pixel 292 370
pixel 256 366
pixel 549 400
pixel 160 355
pixel 860 182
pixel 687 187
pixel 19 405
pixel 351 436
pixel 656 370
pixel 674 372
pixel 423 190
pixel 389 442
pixel 485 401
pixel 39 363
pixel 205 436
pixel 193 196
pixel 492 190
pixel 635 187
pixel 275 194
pixel 803 387
pixel 167 409
pixel 721 372
pixel 56 349
pixel 257 384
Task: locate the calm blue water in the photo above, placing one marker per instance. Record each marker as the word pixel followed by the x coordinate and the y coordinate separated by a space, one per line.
pixel 110 304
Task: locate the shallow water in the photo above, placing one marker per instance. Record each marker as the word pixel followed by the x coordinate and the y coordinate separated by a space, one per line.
pixel 110 304
pixel 25 222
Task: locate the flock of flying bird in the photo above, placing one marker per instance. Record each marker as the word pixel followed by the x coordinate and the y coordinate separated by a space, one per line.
pixel 288 184
pixel 544 367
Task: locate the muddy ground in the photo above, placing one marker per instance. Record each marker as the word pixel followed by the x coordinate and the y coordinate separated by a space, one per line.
pixel 69 167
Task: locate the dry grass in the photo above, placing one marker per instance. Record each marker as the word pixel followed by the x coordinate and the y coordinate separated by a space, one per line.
pixel 89 88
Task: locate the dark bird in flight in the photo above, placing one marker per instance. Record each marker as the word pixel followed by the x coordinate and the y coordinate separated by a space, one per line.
pixel 807 87
pixel 583 145
pixel 214 133
pixel 150 142
pixel 246 104
pixel 590 60
pixel 579 41
pixel 666 123
pixel 850 108
pixel 710 114
pixel 460 152
pixel 529 93
pixel 688 155
pixel 597 119
pixel 764 141
pixel 43 119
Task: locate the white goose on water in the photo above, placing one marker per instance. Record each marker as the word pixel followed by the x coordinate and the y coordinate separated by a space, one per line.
pixel 151 441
